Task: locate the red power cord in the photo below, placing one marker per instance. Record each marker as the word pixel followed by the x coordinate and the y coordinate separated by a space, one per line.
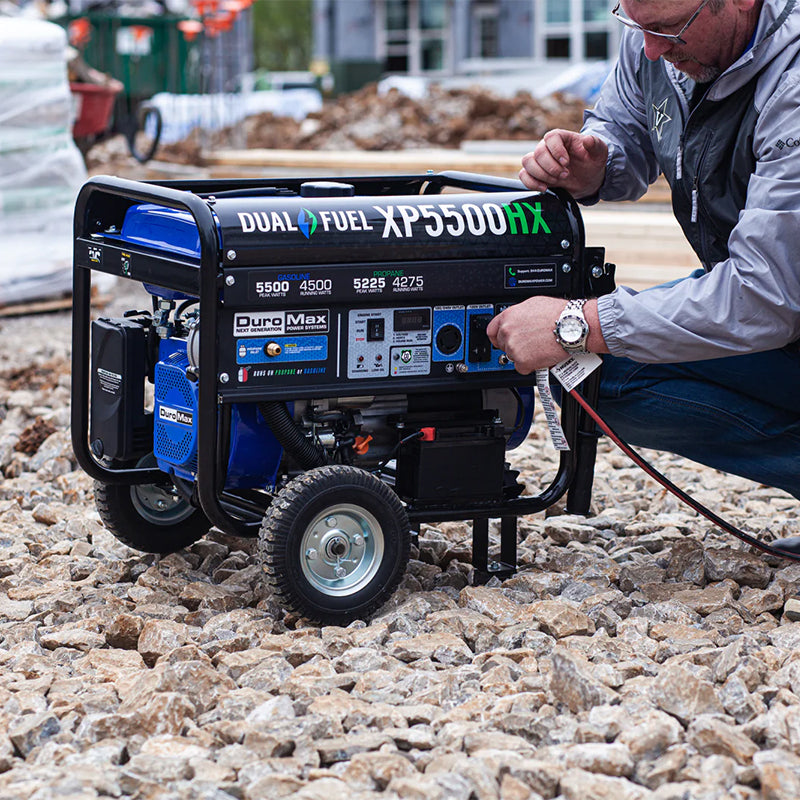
pixel 671 487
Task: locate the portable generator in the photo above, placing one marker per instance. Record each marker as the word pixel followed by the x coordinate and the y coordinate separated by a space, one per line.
pixel 315 370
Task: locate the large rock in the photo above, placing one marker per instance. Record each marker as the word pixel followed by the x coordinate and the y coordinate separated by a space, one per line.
pixel 746 569
pixel 578 784
pixel 560 619
pixel 711 736
pixel 683 695
pixel 32 730
pixel 159 636
pixel 778 773
pixel 572 685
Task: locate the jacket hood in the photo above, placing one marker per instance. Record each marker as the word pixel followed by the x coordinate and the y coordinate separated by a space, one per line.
pixel 778 26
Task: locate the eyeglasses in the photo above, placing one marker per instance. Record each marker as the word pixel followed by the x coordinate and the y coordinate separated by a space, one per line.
pixel 674 38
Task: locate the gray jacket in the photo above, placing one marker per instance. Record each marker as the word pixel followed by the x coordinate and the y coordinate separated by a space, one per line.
pixel 734 166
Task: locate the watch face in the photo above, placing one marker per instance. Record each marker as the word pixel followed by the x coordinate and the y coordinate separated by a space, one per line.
pixel 571 330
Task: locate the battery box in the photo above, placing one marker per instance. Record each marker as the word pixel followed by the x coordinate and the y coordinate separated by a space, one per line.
pixel 453 464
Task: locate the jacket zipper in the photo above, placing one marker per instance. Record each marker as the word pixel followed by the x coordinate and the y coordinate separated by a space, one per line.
pixel 695 193
pixel 696 199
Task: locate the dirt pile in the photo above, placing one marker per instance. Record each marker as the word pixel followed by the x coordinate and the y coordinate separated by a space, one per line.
pixel 367 120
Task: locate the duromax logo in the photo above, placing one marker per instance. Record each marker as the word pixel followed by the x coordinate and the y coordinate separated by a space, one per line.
pixel 307 222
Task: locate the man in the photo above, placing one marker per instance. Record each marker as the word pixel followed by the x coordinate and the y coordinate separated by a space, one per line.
pixel 707 93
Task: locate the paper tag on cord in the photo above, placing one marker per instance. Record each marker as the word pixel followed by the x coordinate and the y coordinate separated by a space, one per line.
pixel 557 436
pixel 570 372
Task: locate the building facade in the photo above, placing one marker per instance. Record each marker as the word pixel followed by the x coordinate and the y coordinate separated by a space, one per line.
pixel 438 37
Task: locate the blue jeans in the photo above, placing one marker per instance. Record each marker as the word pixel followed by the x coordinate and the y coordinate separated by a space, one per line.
pixel 739 414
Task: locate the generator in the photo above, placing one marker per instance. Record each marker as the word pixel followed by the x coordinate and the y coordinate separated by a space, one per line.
pixel 314 370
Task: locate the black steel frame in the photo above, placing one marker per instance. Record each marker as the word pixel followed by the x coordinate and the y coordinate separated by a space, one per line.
pixel 237 515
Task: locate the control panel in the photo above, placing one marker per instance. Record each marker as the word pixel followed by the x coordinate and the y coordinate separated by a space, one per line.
pixel 384 344
pixel 354 329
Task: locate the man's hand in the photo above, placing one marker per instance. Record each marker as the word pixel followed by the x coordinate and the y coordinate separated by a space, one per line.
pixel 524 332
pixel 572 161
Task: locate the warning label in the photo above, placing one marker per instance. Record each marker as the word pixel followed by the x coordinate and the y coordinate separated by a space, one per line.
pixel 109 381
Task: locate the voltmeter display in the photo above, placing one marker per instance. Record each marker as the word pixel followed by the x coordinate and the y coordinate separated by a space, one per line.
pixel 412 319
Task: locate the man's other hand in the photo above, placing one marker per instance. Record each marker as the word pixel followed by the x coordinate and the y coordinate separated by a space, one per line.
pixel 572 161
pixel 524 332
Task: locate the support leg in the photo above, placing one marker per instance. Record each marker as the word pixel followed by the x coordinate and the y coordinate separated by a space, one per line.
pixel 484 568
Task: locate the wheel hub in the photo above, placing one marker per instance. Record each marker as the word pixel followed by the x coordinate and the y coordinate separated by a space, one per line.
pixel 159 503
pixel 342 549
pixel 336 544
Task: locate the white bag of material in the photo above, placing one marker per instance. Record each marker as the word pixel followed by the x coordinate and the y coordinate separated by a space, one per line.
pixel 41 169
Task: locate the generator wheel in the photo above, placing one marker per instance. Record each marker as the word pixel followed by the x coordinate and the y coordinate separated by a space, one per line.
pixel 150 517
pixel 334 544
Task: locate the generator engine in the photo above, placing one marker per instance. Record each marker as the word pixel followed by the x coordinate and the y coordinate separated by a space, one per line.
pixel 314 368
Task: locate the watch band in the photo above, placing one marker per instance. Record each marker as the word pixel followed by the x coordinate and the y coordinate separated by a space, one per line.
pixel 574 310
pixel 575 305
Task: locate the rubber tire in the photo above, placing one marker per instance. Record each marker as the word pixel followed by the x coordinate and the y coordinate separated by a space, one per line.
pixel 292 512
pixel 145 112
pixel 118 512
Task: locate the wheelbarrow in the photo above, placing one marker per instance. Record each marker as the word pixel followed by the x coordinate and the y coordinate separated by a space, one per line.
pixel 96 121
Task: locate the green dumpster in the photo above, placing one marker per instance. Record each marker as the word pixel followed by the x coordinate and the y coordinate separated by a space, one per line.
pixel 148 54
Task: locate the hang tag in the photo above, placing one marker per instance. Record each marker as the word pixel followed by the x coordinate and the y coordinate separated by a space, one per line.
pixel 570 372
pixel 557 436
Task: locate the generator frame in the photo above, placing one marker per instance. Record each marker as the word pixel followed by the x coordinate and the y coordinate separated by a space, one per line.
pixel 240 514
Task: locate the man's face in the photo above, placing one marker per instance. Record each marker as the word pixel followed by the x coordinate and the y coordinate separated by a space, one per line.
pixel 714 40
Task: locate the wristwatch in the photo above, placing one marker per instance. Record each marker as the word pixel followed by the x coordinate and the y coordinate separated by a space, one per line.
pixel 572 329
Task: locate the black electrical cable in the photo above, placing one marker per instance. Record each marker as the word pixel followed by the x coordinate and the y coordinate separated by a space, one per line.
pixel 185 304
pixel 380 467
pixel 671 487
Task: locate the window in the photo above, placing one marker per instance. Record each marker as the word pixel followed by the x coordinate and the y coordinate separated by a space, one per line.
pixel 432 55
pixel 396 62
pixel 396 15
pixel 487 37
pixel 557 11
pixel 596 45
pixel 432 14
pixel 596 10
pixel 557 47
pixel 484 28
pixel 414 35
pixel 574 29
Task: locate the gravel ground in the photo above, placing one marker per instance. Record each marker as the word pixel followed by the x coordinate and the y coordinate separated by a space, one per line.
pixel 638 653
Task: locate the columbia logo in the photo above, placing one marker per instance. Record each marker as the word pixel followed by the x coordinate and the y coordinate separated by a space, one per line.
pixel 781 144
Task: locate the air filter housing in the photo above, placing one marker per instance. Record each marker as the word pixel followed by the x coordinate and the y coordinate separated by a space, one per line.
pixel 175 435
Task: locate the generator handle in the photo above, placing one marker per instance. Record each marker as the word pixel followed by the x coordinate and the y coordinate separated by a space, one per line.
pixel 105 185
pixel 481 183
pixel 207 478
